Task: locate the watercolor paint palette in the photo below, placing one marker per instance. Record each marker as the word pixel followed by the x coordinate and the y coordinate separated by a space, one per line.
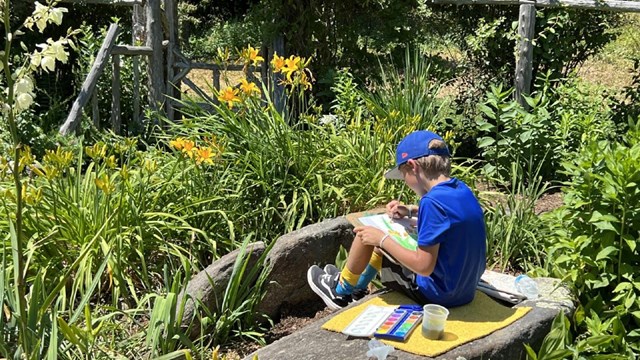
pixel 399 325
pixel 368 321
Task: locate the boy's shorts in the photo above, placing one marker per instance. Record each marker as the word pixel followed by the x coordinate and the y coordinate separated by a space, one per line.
pixel 397 277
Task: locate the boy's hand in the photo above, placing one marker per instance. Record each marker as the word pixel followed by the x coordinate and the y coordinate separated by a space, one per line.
pixel 369 235
pixel 395 210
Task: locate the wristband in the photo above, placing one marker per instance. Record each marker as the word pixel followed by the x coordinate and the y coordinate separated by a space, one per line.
pixel 382 240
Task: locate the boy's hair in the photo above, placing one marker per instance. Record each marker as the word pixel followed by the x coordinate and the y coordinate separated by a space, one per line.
pixel 435 165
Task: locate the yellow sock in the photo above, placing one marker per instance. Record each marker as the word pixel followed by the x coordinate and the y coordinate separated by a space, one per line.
pixel 348 276
pixel 376 261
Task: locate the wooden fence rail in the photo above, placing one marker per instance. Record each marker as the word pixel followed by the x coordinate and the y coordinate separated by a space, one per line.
pixel 106 2
pixel 604 5
pixel 89 84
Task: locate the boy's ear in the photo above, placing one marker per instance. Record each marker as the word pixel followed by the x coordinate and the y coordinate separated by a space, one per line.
pixel 413 165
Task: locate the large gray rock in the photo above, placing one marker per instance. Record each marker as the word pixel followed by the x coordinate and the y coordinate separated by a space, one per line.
pixel 209 285
pixel 293 254
pixel 312 342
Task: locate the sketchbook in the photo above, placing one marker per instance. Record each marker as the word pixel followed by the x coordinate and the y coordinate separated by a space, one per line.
pixel 403 231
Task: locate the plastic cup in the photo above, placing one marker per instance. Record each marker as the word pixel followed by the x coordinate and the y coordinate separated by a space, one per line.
pixel 433 321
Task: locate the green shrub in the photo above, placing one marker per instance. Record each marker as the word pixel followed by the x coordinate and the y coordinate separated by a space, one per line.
pixel 558 122
pixel 595 240
pixel 222 35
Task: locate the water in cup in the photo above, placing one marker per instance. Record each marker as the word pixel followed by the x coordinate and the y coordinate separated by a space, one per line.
pixel 433 321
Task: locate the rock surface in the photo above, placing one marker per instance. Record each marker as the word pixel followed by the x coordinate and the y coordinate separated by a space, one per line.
pixel 288 259
pixel 209 285
pixel 312 342
pixel 293 254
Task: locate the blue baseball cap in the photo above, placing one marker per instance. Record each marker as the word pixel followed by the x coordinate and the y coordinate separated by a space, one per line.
pixel 413 146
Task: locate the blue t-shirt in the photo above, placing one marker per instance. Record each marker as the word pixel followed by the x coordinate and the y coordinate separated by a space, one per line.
pixel 450 215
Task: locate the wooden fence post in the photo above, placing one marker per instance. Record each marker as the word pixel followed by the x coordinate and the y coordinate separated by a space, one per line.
pixel 138 37
pixel 95 110
pixel 264 69
pixel 524 65
pixel 116 117
pixel 89 84
pixel 278 89
pixel 156 63
pixel 173 88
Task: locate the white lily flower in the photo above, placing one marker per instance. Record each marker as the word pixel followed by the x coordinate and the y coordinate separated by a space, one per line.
pixel 41 23
pixel 48 63
pixel 23 101
pixel 36 59
pixel 23 85
pixel 55 15
pixel 58 50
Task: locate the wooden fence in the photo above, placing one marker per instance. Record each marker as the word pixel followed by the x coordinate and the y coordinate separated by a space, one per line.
pixel 168 68
pixel 526 28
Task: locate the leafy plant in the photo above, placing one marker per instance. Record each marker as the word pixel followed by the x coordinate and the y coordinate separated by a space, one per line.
pixel 558 122
pixel 595 239
pixel 554 345
pixel 406 99
pixel 515 233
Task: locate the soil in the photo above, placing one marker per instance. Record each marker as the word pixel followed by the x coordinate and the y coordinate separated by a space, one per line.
pixel 291 321
pixel 549 202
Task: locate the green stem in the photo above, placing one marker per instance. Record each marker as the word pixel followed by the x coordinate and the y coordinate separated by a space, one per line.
pixel 621 245
pixel 20 283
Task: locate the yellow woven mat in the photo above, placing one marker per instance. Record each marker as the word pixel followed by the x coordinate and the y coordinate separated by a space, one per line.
pixel 465 323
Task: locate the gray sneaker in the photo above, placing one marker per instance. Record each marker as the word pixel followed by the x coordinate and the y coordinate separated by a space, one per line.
pixel 357 293
pixel 324 285
pixel 331 269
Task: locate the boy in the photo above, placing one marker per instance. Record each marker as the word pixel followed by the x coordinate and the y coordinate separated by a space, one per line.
pixel 446 267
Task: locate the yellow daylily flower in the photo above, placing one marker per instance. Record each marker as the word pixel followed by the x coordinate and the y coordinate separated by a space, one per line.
pixel 31 195
pixel 177 144
pixel 204 155
pixel 124 172
pixel 248 87
pixel 104 183
pixel 189 147
pixel 110 161
pixel 305 81
pixel 26 158
pixel 250 55
pixel 150 165
pixel 291 65
pixel 277 63
pixel 97 151
pixel 229 96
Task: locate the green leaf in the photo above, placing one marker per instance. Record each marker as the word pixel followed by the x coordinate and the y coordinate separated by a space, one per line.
pixel 598 216
pixel 486 126
pixel 605 226
pixel 487 111
pixel 630 241
pixel 598 340
pixel 526 136
pixel 606 252
pixel 485 142
pixel 622 287
pixel 532 102
pixel 531 355
pixel 559 354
